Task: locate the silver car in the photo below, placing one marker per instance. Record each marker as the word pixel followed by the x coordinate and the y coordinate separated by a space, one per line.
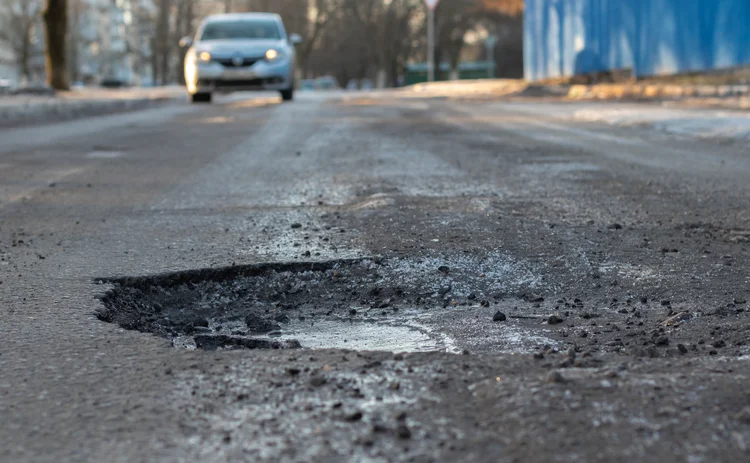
pixel 240 52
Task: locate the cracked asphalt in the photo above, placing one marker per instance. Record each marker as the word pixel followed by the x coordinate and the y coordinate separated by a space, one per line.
pixel 552 289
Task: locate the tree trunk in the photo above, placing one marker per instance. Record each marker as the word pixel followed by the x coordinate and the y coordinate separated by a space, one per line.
pixel 73 41
pixel 25 55
pixel 154 63
pixel 162 40
pixel 56 29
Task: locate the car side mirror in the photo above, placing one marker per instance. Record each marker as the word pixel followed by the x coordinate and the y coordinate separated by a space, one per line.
pixel 296 39
pixel 186 42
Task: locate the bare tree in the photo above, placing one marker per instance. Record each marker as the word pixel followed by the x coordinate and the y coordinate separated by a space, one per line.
pixel 504 20
pixel 55 38
pixel 454 18
pixel 18 19
pixel 162 45
pixel 184 26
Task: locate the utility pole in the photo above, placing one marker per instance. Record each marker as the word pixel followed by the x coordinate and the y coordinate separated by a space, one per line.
pixel 431 5
pixel 490 42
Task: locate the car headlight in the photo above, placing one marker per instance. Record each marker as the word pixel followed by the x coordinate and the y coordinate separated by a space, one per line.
pixel 273 54
pixel 203 56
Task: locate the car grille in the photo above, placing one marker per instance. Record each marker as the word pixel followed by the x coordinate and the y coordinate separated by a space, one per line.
pixel 219 83
pixel 227 62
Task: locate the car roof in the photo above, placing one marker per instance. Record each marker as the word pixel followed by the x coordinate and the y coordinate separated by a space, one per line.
pixel 236 16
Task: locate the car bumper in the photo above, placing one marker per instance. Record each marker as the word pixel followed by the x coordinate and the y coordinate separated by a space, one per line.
pixel 213 77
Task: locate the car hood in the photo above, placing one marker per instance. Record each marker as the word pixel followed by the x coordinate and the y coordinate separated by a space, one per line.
pixel 244 47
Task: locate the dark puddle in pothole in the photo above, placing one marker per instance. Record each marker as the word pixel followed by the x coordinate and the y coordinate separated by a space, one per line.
pixel 362 304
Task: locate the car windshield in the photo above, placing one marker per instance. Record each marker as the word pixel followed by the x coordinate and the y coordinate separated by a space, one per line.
pixel 241 29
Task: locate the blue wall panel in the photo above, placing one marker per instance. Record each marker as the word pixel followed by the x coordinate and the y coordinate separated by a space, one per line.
pixel 566 37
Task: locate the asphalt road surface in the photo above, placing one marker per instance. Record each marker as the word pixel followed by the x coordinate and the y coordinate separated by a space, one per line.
pixel 468 280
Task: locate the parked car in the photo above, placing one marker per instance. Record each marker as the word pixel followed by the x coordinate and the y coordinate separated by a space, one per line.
pixel 240 52
pixel 326 83
pixel 113 82
pixel 307 84
pixel 4 86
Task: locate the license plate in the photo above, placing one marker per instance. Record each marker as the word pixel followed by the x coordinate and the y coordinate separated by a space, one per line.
pixel 238 74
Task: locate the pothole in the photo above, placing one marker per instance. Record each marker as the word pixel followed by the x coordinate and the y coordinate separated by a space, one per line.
pixel 346 304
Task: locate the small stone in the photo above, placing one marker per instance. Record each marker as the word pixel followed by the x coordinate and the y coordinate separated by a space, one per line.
pixel 682 348
pixel 292 371
pixel 675 320
pixel 615 226
pixel 444 269
pixel 485 303
pixel 743 416
pixel 394 386
pixel 555 377
pixel 403 432
pixel 296 225
pixel 554 319
pixel 499 317
pixel 719 344
pixel 471 296
pixel 200 321
pixel 539 355
pixel 662 341
pixel 644 300
pixel 256 324
pixel 740 300
pixel 352 417
pixel 444 290
pixel 317 381
pixel 666 302
pixel 352 311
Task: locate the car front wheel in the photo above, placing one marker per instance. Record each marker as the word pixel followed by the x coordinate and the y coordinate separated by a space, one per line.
pixel 287 95
pixel 201 98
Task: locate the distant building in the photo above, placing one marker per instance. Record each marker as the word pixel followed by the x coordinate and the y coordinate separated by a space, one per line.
pixel 112 41
pixel 9 72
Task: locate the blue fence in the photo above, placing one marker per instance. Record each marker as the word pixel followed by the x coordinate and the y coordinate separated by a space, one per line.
pixel 568 37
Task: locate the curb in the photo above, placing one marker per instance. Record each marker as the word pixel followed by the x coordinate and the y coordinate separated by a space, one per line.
pixel 650 91
pixel 580 92
pixel 64 110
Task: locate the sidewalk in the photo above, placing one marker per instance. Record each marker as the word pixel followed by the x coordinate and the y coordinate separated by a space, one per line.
pixel 728 96
pixel 28 109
